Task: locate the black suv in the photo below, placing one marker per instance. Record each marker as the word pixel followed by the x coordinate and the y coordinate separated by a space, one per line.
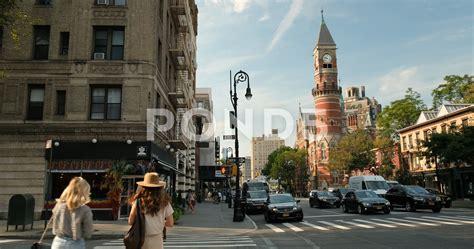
pixel 413 197
pixel 323 199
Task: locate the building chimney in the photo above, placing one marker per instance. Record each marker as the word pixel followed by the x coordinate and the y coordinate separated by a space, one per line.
pixel 362 91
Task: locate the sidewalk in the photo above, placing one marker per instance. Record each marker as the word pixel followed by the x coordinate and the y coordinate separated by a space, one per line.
pixel 208 219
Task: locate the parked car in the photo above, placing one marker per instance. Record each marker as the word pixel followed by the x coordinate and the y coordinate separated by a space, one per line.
pixel 323 199
pixel 341 192
pixel 446 200
pixel 364 201
pixel 392 183
pixel 374 183
pixel 255 200
pixel 282 207
pixel 413 197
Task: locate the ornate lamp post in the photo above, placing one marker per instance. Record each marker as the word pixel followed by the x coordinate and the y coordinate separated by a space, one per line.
pixel 240 76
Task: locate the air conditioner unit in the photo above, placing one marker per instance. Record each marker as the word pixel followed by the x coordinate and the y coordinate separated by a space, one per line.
pixel 102 2
pixel 99 56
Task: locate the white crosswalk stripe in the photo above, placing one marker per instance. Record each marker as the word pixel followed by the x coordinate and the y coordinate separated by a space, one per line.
pixel 274 228
pixel 395 223
pixel 416 222
pixel 192 242
pixel 434 221
pixel 355 224
pixel 450 219
pixel 334 225
pixel 465 217
pixel 314 226
pixel 296 229
pixel 378 224
pixel 457 217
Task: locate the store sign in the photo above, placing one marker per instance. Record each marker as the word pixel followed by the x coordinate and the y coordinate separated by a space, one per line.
pixel 81 165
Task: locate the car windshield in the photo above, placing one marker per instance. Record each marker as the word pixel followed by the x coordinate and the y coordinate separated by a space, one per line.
pixel 377 185
pixel 258 194
pixel 366 194
pixel 418 190
pixel 434 191
pixel 281 198
pixel 324 194
pixel 344 191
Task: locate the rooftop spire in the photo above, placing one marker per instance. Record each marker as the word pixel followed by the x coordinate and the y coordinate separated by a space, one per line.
pixel 325 37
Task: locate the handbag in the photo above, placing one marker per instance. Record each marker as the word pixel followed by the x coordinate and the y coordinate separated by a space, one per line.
pixel 135 236
pixel 40 244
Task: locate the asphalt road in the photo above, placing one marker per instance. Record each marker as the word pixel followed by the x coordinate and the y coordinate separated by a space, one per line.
pixel 331 228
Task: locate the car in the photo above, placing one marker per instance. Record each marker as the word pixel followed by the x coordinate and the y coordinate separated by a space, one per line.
pixel 323 199
pixel 364 201
pixel 413 197
pixel 255 201
pixel 282 207
pixel 341 192
pixel 392 183
pixel 446 200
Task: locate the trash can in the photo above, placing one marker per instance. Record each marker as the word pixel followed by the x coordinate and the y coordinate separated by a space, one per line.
pixel 21 208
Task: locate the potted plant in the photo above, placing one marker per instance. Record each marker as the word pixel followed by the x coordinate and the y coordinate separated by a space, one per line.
pixel 113 182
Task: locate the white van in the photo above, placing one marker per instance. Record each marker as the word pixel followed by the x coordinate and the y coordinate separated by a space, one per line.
pixel 374 183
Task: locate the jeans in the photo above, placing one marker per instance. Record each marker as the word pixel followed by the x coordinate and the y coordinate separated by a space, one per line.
pixel 67 243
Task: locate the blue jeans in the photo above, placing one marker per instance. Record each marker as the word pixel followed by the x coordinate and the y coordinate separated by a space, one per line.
pixel 67 243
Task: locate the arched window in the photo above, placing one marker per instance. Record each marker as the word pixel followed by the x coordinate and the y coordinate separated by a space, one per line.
pixel 323 151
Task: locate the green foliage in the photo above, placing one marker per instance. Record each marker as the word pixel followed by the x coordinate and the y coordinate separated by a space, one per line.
pixel 271 159
pixel 289 167
pixel 400 113
pixel 385 146
pixel 403 176
pixel 456 147
pixel 456 89
pixel 113 182
pixel 177 212
pixel 16 20
pixel 352 152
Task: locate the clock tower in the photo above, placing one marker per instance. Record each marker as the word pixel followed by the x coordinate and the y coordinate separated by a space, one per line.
pixel 327 101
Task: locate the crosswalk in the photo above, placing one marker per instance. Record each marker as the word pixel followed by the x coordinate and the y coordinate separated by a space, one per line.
pixel 370 223
pixel 193 242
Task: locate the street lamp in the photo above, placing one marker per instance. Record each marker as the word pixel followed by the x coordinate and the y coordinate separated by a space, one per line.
pixel 240 76
pixel 229 193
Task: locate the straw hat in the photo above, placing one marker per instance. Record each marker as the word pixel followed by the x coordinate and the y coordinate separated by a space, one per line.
pixel 151 180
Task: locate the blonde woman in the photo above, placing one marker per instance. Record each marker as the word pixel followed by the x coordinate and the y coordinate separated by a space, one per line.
pixel 72 218
pixel 155 204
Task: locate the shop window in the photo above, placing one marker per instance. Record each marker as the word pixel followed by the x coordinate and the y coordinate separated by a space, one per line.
pixel 36 102
pixel 41 42
pixel 108 43
pixel 106 103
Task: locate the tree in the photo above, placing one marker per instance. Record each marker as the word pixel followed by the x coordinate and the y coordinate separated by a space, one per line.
pixel 385 146
pixel 289 168
pixel 456 89
pixel 271 159
pixel 352 152
pixel 114 184
pixel 400 113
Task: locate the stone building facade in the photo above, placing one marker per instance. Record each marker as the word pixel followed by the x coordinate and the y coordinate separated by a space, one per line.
pixel 457 181
pixel 262 147
pixel 360 111
pixel 84 78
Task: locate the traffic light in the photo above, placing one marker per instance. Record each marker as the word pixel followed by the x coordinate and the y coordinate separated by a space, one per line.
pixel 234 169
pixel 217 149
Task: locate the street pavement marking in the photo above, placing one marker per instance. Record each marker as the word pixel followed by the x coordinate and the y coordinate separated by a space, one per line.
pixel 314 226
pixel 416 222
pixel 435 221
pixel 334 225
pixel 10 240
pixel 274 228
pixel 296 229
pixel 451 219
pixel 210 246
pixel 457 217
pixel 465 217
pixel 355 224
pixel 396 223
pixel 207 242
pixel 378 224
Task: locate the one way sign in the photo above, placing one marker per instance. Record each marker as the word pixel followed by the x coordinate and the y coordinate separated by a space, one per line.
pixel 236 160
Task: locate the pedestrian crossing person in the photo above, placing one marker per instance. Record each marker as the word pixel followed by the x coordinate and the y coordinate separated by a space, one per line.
pixel 156 206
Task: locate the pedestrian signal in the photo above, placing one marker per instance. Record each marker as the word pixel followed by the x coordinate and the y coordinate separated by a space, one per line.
pixel 223 170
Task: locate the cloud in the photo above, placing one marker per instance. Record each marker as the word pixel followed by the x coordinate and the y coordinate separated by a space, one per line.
pixel 450 35
pixel 241 5
pixel 285 24
pixel 265 17
pixel 398 80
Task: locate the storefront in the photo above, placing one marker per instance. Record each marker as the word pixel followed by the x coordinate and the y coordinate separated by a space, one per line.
pixel 458 182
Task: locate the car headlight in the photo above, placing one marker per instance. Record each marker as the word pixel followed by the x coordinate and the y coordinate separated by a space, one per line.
pixel 418 198
pixel 448 198
pixel 274 209
pixel 438 198
pixel 366 204
pixel 387 203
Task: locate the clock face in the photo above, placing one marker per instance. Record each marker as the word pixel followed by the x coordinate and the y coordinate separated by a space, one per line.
pixel 327 58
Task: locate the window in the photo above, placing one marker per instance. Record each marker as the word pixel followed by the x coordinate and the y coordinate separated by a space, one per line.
pixel 43 2
pixel 36 102
pixel 110 41
pixel 443 128
pixel 410 141
pixel 160 49
pixel 425 135
pixel 161 9
pixel 119 2
pixel 464 122
pixel 41 36
pixel 60 102
pixel 404 144
pixel 1 38
pixel 452 126
pixel 106 103
pixel 111 2
pixel 327 65
pixel 417 139
pixel 64 41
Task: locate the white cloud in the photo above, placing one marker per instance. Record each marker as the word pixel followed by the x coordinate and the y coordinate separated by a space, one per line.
pixel 241 5
pixel 398 80
pixel 285 24
pixel 265 17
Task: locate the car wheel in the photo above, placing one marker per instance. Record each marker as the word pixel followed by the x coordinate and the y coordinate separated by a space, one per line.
pixel 386 211
pixel 344 208
pixel 409 207
pixel 447 205
pixel 360 210
pixel 436 210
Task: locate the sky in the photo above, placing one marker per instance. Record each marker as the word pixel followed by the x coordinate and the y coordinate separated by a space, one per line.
pixel 385 45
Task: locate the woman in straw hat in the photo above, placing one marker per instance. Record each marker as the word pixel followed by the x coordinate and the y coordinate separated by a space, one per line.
pixel 155 204
pixel 72 218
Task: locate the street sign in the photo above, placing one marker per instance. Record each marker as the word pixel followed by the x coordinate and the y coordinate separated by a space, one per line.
pixel 228 137
pixel 236 160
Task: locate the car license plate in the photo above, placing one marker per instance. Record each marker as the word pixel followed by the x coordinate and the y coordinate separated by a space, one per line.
pixel 431 203
pixel 285 215
pixel 379 207
pixel 258 207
